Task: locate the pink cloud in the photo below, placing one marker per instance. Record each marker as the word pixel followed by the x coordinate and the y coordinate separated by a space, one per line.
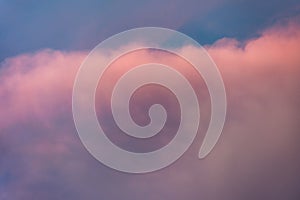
pixel 35 86
pixel 257 153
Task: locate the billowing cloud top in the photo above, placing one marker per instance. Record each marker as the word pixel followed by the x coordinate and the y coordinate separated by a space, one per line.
pixel 256 158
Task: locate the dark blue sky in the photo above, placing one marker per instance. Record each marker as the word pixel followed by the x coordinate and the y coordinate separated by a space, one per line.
pixel 28 26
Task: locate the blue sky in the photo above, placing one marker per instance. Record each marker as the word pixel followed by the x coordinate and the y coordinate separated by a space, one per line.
pixel 28 26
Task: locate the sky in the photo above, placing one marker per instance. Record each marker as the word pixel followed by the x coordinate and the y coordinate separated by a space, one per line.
pixel 255 45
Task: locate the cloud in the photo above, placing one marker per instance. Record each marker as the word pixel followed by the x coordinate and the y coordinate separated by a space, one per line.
pixel 256 157
pixel 35 85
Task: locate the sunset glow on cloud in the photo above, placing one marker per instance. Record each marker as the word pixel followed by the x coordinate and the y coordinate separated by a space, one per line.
pixel 257 157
